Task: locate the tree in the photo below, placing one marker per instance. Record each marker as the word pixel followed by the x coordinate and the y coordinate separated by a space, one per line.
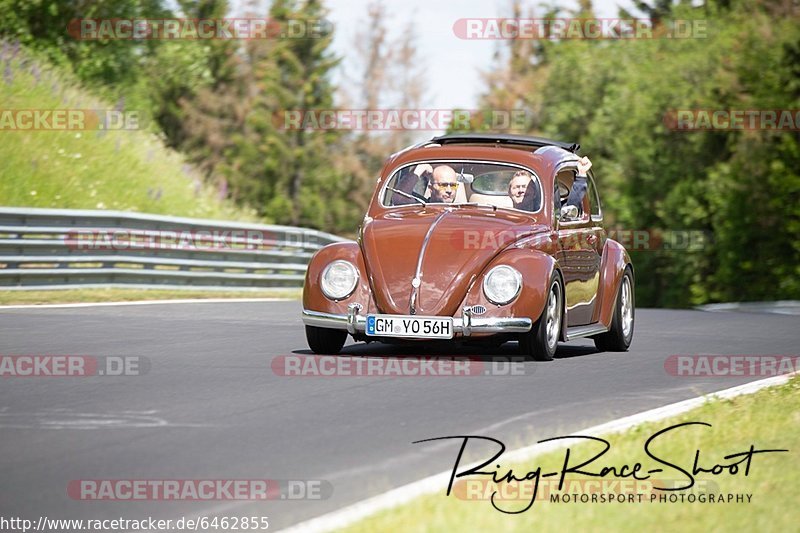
pixel 739 189
pixel 46 26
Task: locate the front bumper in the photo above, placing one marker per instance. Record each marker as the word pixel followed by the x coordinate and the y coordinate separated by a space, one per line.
pixel 466 324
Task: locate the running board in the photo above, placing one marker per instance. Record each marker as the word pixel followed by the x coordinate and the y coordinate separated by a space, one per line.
pixel 577 332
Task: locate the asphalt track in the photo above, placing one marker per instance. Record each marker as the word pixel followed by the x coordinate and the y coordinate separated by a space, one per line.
pixel 211 406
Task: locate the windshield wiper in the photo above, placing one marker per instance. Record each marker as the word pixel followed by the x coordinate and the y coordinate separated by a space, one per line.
pixel 478 204
pixel 407 195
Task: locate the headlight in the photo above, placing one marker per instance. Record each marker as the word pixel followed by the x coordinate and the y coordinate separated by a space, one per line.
pixel 339 280
pixel 502 284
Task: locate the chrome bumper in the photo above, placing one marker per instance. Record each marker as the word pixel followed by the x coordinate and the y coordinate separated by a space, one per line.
pixel 466 325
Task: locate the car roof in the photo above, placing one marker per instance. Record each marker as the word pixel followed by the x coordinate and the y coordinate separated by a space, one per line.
pixel 541 155
pixel 504 139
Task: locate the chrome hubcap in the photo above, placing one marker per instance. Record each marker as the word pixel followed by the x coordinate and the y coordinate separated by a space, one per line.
pixel 626 307
pixel 553 323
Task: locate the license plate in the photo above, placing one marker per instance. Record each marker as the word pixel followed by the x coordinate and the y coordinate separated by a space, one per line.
pixel 409 326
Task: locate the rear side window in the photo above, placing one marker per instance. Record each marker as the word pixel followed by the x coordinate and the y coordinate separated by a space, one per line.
pixel 594 200
pixel 493 183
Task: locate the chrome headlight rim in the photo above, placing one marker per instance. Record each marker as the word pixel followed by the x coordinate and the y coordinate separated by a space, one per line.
pixel 324 284
pixel 487 292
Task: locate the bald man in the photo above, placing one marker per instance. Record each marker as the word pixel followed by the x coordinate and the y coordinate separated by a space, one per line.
pixel 444 184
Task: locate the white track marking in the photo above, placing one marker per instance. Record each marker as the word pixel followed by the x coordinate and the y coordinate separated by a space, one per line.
pixel 146 302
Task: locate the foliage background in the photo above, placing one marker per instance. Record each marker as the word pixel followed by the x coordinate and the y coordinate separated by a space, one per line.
pixel 211 104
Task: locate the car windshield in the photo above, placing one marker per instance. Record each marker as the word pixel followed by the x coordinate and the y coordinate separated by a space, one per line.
pixel 464 182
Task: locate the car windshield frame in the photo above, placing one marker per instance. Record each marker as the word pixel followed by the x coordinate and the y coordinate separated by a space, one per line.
pixel 534 178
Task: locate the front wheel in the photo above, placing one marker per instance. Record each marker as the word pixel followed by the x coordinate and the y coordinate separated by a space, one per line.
pixel 325 340
pixel 619 337
pixel 541 341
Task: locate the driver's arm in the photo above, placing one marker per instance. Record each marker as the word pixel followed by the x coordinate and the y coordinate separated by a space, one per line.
pixel 406 182
pixel 580 185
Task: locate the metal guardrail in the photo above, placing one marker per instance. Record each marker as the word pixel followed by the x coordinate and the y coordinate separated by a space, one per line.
pixel 66 248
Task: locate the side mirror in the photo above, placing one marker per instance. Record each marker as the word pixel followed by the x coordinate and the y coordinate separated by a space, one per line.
pixel 569 212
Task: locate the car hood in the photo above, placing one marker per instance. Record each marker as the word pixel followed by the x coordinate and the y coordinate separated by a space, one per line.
pixel 446 248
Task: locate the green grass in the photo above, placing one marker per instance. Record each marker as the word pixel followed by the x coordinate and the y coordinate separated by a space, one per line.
pixel 769 419
pixel 129 295
pixel 116 170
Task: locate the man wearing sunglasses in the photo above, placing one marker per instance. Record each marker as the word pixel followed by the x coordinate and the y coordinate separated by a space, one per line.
pixel 444 184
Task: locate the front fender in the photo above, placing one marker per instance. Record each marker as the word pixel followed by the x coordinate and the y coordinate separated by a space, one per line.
pixel 315 300
pixel 537 270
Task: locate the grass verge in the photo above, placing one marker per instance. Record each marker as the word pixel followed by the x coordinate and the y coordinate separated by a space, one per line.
pixel 129 295
pixel 769 419
pixel 123 169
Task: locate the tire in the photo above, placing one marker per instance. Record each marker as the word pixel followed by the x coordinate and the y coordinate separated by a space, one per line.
pixel 324 340
pixel 541 341
pixel 619 337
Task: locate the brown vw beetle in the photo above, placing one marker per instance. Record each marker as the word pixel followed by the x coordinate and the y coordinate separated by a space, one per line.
pixel 468 237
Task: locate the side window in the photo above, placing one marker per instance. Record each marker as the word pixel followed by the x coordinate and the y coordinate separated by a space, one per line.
pixel 566 181
pixel 594 200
